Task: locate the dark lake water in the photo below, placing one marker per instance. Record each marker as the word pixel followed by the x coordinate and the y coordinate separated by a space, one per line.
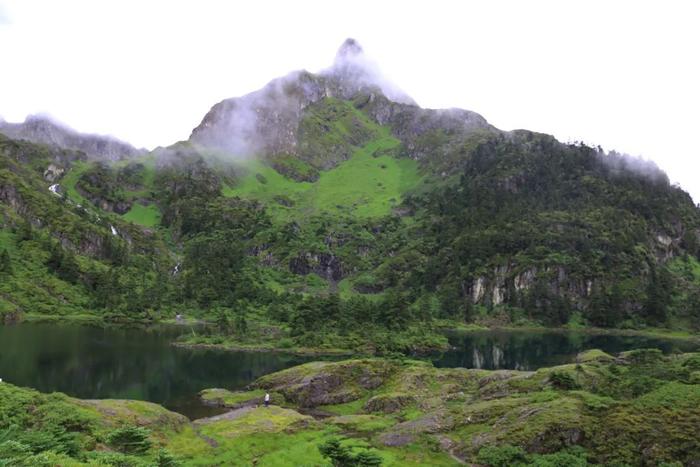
pixel 532 349
pixel 121 363
pixel 116 362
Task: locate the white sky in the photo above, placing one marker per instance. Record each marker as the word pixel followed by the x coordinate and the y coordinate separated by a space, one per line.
pixel 625 75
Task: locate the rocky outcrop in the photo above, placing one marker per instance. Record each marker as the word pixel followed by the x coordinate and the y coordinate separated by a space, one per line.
pixel 268 122
pixel 325 265
pixel 53 173
pixel 388 403
pixel 326 383
pixel 507 281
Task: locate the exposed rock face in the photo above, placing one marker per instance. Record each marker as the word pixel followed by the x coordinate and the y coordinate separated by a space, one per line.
pixel 388 403
pixel 53 173
pixel 262 122
pixel 555 439
pixel 325 265
pixel 266 122
pixel 507 280
pixel 37 129
pixel 322 383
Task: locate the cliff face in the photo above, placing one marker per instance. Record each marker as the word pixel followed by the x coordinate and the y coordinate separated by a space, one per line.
pixel 270 121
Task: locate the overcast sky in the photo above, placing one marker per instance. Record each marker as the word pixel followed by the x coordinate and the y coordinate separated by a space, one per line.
pixel 625 75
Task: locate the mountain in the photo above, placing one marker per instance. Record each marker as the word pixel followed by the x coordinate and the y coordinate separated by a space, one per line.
pixel 289 116
pixel 41 129
pixel 330 210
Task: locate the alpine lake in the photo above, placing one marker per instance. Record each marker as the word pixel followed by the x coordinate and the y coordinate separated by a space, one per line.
pixel 118 362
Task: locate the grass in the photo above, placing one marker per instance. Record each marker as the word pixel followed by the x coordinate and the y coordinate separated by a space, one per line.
pixel 364 186
pixel 147 216
pixel 457 413
pixel 69 181
pixel 228 398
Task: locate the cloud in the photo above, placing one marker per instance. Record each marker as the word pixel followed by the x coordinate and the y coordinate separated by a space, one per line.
pixel 355 70
pixel 620 163
pixel 4 17
pixel 266 121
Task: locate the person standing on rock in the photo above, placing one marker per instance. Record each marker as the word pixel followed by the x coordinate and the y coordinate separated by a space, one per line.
pixel 267 399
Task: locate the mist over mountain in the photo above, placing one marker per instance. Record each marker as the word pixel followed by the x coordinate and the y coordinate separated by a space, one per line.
pixel 337 186
pixel 267 122
pixel 44 130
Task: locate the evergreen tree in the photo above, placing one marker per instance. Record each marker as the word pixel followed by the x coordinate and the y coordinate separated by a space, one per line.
pixel 241 324
pixel 25 231
pixel 5 263
pixel 659 291
pixel 339 455
pixel 223 321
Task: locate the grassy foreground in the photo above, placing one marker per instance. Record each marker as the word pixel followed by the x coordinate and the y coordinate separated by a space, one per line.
pixel 637 408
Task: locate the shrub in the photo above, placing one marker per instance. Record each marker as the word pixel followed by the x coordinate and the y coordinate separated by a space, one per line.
pixel 562 380
pixel 338 454
pixel 501 456
pixel 165 459
pixel 644 356
pixel 341 456
pixel 130 440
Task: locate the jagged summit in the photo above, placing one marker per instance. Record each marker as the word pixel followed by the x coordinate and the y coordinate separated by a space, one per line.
pixel 354 72
pixel 349 48
pixel 45 130
pixel 267 122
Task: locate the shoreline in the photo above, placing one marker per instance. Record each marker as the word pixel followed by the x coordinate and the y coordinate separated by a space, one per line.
pixel 298 351
pixel 445 327
pixel 660 333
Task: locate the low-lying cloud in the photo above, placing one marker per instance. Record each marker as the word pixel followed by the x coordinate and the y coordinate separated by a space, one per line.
pixel 620 163
pixel 266 121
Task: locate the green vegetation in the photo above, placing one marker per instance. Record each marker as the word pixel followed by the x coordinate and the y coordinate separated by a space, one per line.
pixel 359 236
pixel 70 182
pixel 385 412
pixel 148 216
pixel 348 245
pixel 364 227
pixel 366 185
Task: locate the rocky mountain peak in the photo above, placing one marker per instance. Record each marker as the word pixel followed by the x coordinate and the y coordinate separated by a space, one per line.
pixel 267 122
pixel 44 130
pixel 349 48
pixel 354 72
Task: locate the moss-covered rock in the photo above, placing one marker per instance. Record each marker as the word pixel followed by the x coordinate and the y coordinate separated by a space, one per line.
pixel 218 397
pixel 327 383
pixel 642 409
pixel 594 355
pixel 388 403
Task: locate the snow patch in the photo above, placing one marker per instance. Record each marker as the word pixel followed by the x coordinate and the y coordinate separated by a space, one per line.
pixel 54 189
pixel 114 231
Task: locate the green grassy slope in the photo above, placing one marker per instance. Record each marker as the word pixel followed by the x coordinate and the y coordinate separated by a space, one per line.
pixel 142 212
pixel 147 216
pixel 364 186
pixel 70 180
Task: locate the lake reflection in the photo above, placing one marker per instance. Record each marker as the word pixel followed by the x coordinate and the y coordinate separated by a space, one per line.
pixel 116 362
pixel 529 350
pixel 93 362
